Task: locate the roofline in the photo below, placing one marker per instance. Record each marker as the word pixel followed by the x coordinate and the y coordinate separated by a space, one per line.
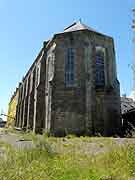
pixel 110 37
pixel 14 95
pixel 70 26
pixel 35 61
pixel 46 45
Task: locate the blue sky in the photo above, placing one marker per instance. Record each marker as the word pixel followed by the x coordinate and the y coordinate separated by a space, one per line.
pixel 25 24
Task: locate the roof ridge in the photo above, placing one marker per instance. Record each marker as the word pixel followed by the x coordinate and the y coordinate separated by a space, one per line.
pixel 78 25
pixel 70 26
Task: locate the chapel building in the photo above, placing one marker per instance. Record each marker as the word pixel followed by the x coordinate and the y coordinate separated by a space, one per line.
pixel 72 86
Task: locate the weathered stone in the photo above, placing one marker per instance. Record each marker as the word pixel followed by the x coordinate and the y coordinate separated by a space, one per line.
pixel 50 105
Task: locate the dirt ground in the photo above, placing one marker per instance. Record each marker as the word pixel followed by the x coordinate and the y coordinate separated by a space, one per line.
pixel 85 145
pixel 14 139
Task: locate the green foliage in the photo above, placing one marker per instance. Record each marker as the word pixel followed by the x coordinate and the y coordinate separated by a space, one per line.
pixel 41 163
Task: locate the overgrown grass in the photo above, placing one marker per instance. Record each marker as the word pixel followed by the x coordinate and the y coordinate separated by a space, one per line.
pixel 42 163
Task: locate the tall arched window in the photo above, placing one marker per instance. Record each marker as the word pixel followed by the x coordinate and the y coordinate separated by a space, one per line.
pixel 31 81
pixel 100 76
pixel 51 67
pixel 69 67
pixel 38 73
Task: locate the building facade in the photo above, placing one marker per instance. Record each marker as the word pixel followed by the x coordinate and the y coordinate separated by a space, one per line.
pixel 11 116
pixel 72 86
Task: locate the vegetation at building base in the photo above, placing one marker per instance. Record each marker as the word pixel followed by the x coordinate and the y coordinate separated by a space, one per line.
pixel 42 162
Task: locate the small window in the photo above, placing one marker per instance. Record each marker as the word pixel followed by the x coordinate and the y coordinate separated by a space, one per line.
pixel 69 67
pixel 100 56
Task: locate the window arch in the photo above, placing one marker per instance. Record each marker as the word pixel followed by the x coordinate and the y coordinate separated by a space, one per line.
pixel 38 68
pixel 50 63
pixel 51 67
pixel 31 81
pixel 69 67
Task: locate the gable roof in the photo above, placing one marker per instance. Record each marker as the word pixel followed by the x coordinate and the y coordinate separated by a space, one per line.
pixel 78 26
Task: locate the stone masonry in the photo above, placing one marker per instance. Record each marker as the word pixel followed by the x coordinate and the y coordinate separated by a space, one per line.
pixel 62 93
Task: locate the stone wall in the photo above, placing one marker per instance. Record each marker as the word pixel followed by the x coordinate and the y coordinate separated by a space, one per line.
pixel 31 102
pixel 83 107
pixel 39 123
pixel 68 108
pixel 45 103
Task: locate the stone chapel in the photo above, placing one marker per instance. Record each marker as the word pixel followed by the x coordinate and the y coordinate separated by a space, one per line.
pixel 72 86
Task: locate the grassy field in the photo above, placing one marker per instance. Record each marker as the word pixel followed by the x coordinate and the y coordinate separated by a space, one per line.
pixel 69 158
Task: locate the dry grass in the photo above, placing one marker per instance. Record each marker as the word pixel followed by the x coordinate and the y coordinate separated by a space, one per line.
pixel 62 159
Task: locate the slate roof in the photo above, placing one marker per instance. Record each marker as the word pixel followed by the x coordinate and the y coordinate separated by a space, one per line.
pixel 77 26
pixel 127 104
